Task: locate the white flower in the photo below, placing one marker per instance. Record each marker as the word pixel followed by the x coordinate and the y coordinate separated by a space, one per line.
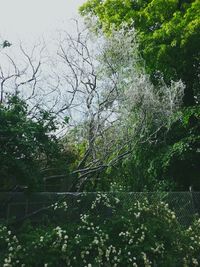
pixel 130 241
pixel 14 238
pixel 195 262
pixel 117 200
pixel 96 241
pixel 64 247
pixel 137 215
pixel 173 216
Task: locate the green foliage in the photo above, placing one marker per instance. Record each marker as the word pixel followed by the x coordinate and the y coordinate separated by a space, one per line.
pixel 113 231
pixel 179 156
pixel 169 161
pixel 175 157
pixel 168 33
pixel 6 44
pixel 168 36
pixel 27 144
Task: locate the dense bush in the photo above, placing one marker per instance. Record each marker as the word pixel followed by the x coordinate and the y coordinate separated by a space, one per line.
pixel 112 232
pixel 30 149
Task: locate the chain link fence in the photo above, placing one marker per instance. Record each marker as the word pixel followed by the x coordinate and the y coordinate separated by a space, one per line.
pixel 36 206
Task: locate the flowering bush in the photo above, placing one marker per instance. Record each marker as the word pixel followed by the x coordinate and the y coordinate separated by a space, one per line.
pixel 112 232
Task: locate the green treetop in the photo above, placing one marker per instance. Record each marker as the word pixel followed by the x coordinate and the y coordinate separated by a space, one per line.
pixel 168 34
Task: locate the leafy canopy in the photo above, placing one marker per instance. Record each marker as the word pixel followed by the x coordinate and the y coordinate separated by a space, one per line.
pixel 27 143
pixel 168 32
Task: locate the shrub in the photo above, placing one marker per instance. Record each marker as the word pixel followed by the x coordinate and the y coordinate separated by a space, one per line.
pixel 112 232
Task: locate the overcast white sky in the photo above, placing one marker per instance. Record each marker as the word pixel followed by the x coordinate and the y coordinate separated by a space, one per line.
pixel 24 19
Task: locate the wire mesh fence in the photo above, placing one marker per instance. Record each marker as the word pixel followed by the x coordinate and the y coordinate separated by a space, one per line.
pixel 37 206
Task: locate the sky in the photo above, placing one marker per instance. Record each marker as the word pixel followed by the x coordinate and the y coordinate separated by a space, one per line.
pixel 28 21
pixel 25 19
